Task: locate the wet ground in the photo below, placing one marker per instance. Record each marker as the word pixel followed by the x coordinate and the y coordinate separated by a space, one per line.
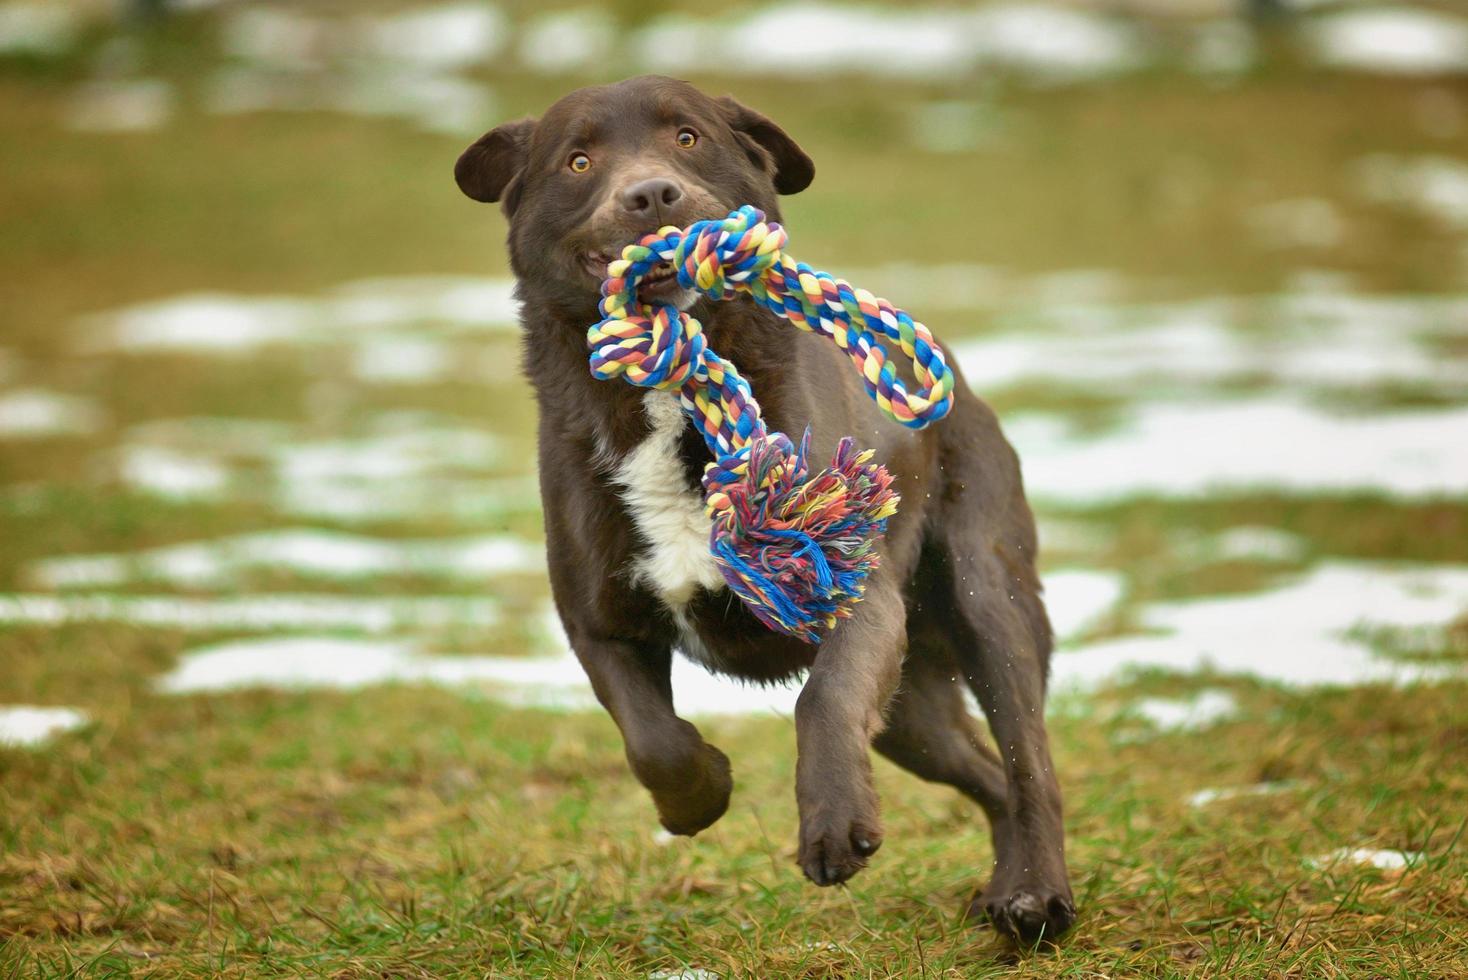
pixel 262 431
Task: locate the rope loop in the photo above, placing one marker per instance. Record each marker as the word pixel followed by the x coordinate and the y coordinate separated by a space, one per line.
pixel 795 548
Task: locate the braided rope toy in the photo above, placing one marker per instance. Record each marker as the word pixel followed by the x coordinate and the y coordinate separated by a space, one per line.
pixel 796 548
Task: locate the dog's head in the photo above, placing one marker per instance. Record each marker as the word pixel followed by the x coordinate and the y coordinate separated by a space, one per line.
pixel 608 164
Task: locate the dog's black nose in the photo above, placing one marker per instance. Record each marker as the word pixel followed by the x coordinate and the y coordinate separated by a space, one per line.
pixel 647 198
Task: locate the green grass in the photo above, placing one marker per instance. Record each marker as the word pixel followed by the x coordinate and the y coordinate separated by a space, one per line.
pixel 407 831
pixel 412 831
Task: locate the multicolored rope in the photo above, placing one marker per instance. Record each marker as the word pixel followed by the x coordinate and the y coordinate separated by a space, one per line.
pixel 796 548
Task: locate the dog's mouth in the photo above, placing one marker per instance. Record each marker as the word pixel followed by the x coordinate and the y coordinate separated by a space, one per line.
pixel 660 283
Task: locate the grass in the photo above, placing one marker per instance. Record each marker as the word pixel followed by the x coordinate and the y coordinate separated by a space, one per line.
pixel 416 831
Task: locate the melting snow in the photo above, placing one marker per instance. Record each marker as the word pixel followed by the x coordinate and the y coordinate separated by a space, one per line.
pixel 172 475
pixel 567 40
pixel 1077 599
pixel 206 322
pixel 1399 41
pixel 1174 714
pixel 303 551
pixel 363 311
pixel 262 612
pixel 1207 797
pixel 1305 631
pixel 1436 187
pixel 35 413
pixel 1263 443
pixel 37 28
pixel 556 682
pixel 29 726
pixel 405 64
pixel 1313 338
pixel 121 106
pixel 1380 859
pixel 1245 543
pixel 1304 222
pixel 412 466
pixel 805 39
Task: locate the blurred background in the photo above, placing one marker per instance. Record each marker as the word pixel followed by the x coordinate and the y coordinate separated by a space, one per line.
pixel 280 688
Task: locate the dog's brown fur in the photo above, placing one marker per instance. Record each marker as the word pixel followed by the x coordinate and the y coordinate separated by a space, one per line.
pixel 957 595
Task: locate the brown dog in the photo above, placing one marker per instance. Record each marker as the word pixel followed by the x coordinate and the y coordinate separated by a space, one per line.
pixel 957 595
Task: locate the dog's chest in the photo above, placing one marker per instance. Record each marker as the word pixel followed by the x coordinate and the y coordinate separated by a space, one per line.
pixel 674 561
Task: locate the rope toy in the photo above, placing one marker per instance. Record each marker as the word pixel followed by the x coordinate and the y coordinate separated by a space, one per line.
pixel 795 547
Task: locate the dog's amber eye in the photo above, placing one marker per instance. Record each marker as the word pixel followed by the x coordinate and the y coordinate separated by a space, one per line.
pixel 580 163
pixel 686 138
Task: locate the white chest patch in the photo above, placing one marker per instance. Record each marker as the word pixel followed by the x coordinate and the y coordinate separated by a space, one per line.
pixel 668 512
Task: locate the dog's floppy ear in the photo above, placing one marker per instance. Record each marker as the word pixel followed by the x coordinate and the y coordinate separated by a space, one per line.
pixel 494 161
pixel 770 147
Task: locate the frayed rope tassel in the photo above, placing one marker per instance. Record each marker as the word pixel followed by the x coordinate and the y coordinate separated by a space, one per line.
pixel 796 548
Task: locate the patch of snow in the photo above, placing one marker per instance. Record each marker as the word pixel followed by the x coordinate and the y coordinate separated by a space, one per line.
pixel 225 435
pixel 172 475
pixel 1311 629
pixel 410 451
pixel 402 360
pixel 1068 534
pixel 260 612
pixel 366 312
pixel 1055 43
pixel 35 413
pixel 1268 442
pixel 815 39
pixel 301 551
pixel 1302 222
pixel 1077 599
pixel 1436 187
pixel 1246 542
pixel 556 682
pixel 1381 859
pixel 1222 46
pixel 1390 40
pixel 686 973
pixel 404 64
pixel 566 40
pixel 214 323
pixel 428 497
pixel 38 28
pixel 28 726
pixel 130 106
pixel 1211 795
pixel 1201 711
pixel 277 37
pixel 462 302
pixel 1314 338
pixel 440 103
pixel 445 37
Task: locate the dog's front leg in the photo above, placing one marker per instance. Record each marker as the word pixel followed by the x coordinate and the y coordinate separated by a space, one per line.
pixel 838 714
pixel 688 778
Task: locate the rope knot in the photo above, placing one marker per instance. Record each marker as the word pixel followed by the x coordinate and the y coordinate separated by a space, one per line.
pixel 662 349
pixel 717 257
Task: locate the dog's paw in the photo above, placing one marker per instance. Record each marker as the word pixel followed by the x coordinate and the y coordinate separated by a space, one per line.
pixel 836 841
pixel 702 800
pixel 1028 914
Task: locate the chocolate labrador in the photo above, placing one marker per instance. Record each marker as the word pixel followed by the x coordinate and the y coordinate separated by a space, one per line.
pixel 955 601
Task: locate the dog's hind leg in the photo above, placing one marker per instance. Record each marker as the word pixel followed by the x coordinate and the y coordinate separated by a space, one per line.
pixel 1000 637
pixel 931 734
pixel 688 778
